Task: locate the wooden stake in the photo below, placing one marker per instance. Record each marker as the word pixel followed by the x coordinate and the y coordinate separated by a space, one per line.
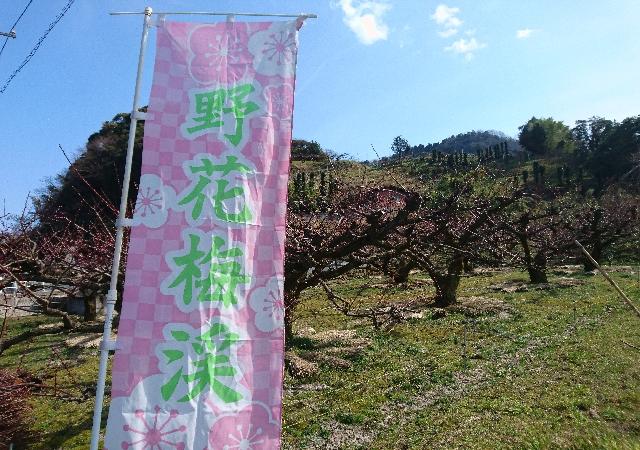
pixel 608 278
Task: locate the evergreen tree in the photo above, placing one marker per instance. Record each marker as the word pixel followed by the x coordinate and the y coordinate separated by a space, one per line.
pixel 90 189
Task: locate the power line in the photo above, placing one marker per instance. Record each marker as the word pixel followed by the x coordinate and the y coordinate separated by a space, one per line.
pixel 13 27
pixel 37 46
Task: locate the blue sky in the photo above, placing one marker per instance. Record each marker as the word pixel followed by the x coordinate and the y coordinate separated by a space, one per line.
pixel 367 71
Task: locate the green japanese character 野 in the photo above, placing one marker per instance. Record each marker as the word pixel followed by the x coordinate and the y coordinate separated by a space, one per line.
pixel 211 107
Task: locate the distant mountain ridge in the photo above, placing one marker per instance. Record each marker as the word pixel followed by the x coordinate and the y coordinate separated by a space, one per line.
pixel 468 142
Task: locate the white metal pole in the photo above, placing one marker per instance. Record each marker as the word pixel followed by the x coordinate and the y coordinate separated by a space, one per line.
pixel 107 343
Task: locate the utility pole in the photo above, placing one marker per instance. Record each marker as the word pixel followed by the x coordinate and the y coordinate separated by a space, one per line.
pixel 10 34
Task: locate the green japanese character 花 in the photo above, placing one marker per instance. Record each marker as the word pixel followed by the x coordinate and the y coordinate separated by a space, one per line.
pixel 200 191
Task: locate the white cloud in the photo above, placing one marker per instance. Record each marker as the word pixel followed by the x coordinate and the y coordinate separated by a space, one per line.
pixel 448 32
pixel 465 47
pixel 450 23
pixel 525 33
pixel 364 17
pixel 446 16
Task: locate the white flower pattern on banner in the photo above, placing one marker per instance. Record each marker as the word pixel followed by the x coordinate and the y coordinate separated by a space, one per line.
pixel 274 49
pixel 144 418
pixel 250 428
pixel 280 101
pixel 153 202
pixel 268 304
pixel 248 439
pixel 160 431
pixel 217 57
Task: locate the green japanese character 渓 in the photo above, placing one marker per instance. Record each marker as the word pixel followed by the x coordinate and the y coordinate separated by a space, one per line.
pixel 210 108
pixel 218 283
pixel 200 362
pixel 198 193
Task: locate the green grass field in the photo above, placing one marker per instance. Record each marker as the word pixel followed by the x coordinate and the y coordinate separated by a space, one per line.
pixel 540 369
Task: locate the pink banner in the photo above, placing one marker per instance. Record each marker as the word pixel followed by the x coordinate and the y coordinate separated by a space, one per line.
pixel 200 342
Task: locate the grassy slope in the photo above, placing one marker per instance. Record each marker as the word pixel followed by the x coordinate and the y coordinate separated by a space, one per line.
pixel 548 377
pixel 554 374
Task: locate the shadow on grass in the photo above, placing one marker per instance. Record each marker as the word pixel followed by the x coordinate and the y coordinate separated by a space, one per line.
pixel 57 440
pixel 14 357
pixel 301 343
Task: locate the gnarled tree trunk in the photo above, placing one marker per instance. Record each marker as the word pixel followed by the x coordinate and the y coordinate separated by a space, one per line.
pixel 536 265
pixel 467 266
pixel 290 301
pixel 91 307
pixel 446 288
pixel 447 285
pixel 401 274
pixel 537 276
pixel 538 268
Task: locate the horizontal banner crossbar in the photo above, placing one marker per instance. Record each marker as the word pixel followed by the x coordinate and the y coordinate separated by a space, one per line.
pixel 203 13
